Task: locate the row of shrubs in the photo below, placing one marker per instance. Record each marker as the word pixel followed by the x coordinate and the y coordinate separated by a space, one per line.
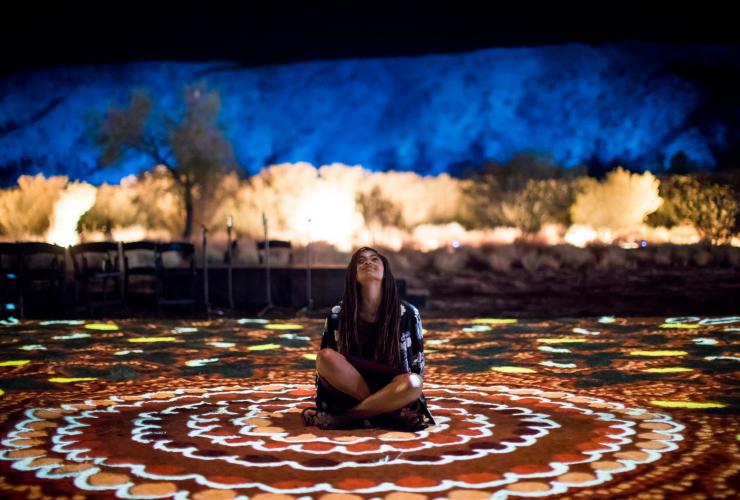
pixel 524 198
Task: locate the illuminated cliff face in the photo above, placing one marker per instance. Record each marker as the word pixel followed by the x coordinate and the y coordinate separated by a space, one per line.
pixel 635 105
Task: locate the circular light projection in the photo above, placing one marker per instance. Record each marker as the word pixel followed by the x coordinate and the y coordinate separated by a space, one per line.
pixel 250 441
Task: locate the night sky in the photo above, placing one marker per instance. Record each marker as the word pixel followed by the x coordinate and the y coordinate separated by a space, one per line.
pixel 411 90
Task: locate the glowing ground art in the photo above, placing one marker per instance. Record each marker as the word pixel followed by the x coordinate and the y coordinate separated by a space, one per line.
pixel 252 439
pixel 214 412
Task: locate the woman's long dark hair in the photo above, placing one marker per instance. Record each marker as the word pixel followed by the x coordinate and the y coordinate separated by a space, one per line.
pixel 389 313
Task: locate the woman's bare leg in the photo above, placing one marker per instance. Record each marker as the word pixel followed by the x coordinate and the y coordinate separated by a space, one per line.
pixel 401 391
pixel 340 374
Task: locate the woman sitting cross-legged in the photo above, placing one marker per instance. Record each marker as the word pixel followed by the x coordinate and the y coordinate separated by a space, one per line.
pixel 371 364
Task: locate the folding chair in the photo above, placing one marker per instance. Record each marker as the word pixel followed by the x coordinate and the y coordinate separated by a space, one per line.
pixel 98 274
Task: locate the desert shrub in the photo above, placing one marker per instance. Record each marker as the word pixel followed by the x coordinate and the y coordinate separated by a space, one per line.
pixel 710 207
pixel 416 199
pixel 150 200
pixel 508 194
pixel 114 207
pixel 377 209
pixel 621 201
pixel 26 210
pixel 541 201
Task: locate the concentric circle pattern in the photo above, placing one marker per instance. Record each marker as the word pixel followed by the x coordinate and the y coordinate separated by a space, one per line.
pixel 579 408
pixel 249 440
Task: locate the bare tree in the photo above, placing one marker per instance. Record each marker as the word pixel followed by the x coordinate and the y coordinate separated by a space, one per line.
pixel 193 148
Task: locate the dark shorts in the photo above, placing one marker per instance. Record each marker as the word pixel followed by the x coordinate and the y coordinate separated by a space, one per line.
pixel 376 377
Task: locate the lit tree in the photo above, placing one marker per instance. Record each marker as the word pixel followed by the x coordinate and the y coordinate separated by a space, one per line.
pixel 542 201
pixel 620 201
pixel 193 149
pixel 710 207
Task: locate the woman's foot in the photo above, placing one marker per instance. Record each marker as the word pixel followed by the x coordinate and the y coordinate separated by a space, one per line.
pixel 409 419
pixel 314 417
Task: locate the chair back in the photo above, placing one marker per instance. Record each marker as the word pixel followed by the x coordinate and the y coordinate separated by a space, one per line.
pixel 281 252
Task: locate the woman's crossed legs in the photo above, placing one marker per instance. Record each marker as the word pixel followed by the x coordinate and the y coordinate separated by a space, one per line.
pixel 337 372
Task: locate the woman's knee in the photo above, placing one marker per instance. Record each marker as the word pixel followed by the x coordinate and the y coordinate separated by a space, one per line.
pixel 409 382
pixel 326 358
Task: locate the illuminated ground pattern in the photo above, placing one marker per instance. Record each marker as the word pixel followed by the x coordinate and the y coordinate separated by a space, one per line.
pixel 211 410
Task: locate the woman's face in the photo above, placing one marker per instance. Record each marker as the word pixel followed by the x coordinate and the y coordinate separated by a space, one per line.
pixel 369 267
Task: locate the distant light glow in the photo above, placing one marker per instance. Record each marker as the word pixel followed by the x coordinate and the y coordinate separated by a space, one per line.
pixel 74 201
